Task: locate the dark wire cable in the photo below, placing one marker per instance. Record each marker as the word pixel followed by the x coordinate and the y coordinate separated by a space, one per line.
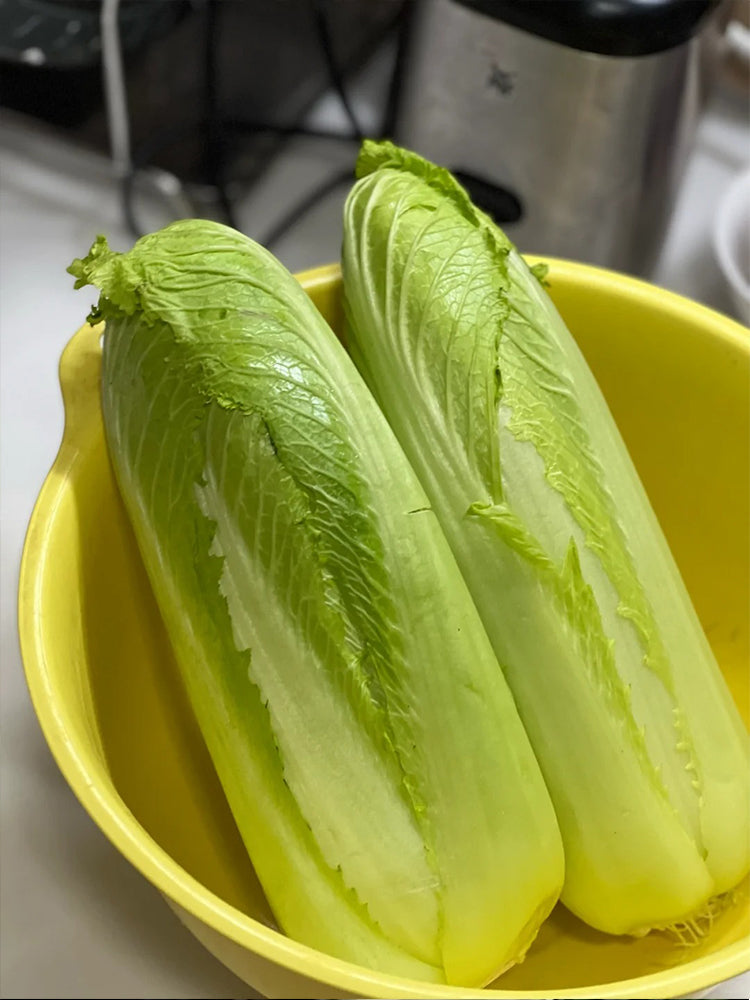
pixel 214 158
pixel 146 151
pixel 217 129
pixel 126 200
pixel 254 126
pixel 402 25
pixel 332 64
pixel 303 207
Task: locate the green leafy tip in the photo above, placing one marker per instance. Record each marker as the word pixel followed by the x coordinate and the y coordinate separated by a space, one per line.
pixel 382 155
pixel 110 271
pixel 540 272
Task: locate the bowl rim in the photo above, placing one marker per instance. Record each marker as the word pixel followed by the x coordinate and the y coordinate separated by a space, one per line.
pixel 110 812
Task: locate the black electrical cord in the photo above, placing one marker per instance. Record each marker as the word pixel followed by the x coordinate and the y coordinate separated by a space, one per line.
pixel 217 129
pixel 301 209
pixel 214 157
pixel 126 200
pixel 214 132
pixel 141 158
pixel 254 126
pixel 322 29
pixel 403 26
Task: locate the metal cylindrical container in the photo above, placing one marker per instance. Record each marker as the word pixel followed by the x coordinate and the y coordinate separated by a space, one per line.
pixel 570 126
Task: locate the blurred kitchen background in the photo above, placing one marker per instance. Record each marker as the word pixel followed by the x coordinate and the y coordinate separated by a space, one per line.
pixel 574 123
pixel 609 131
pixel 600 130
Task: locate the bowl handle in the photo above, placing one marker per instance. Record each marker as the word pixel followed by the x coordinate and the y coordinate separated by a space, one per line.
pixel 80 373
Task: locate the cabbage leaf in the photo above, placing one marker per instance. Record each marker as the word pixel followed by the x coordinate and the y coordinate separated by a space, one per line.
pixel 351 701
pixel 641 746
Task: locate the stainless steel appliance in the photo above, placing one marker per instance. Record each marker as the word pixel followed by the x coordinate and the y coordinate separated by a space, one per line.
pixel 568 120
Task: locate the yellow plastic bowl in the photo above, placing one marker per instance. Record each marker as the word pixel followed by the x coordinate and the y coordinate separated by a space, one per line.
pixel 103 680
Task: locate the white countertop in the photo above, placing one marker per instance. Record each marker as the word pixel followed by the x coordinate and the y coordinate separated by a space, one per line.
pixel 76 919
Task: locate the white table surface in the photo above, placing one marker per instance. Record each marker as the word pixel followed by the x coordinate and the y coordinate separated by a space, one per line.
pixel 76 919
